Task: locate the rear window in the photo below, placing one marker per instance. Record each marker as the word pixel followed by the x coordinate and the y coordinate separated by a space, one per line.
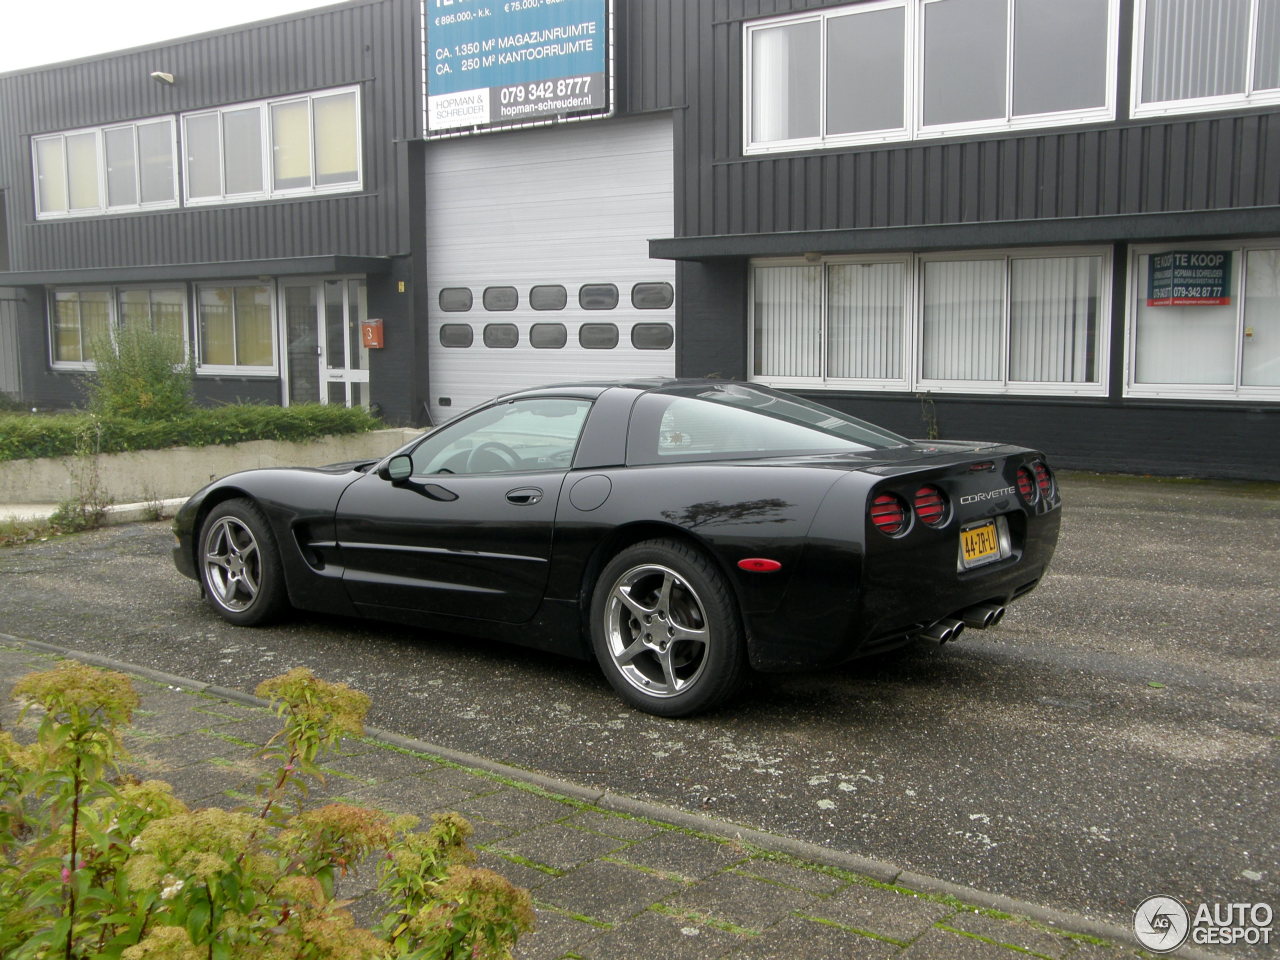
pixel 733 422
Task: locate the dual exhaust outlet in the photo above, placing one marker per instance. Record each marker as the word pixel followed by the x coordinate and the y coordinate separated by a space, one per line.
pixel 980 617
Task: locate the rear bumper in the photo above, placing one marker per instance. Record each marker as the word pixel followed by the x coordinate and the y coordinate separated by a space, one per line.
pixel 848 607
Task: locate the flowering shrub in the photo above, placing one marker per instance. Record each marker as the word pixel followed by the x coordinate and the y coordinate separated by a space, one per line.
pixel 93 864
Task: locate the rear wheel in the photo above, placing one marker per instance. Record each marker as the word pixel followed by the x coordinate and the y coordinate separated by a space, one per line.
pixel 240 564
pixel 666 629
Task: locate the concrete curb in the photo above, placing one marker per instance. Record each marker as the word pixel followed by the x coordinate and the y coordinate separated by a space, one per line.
pixel 698 823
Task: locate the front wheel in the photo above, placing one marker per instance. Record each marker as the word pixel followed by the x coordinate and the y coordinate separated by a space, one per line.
pixel 666 630
pixel 240 565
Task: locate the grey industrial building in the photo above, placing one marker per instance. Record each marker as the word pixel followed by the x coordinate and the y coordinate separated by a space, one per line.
pixel 1054 224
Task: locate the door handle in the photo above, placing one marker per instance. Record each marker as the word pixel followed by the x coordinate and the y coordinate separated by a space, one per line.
pixel 524 496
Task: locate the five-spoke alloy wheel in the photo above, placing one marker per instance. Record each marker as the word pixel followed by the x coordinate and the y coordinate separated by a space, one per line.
pixel 239 563
pixel 666 629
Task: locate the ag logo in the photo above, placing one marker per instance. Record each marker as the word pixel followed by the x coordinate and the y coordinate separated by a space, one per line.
pixel 1161 924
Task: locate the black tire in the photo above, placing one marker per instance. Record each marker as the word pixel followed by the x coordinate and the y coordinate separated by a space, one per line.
pixel 239 564
pixel 666 629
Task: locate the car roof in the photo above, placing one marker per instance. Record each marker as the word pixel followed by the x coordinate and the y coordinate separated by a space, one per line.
pixel 593 388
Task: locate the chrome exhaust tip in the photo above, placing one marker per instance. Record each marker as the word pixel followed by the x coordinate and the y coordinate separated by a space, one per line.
pixel 943 631
pixel 982 616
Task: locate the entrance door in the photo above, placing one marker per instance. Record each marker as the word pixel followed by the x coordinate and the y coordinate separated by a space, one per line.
pixel 328 363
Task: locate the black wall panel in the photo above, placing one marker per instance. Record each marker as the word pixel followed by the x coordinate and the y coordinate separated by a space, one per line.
pixel 371 44
pixel 1201 162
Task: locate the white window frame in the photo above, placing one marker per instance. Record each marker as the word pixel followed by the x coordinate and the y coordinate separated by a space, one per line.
pixel 269 191
pixel 117 318
pixel 915 128
pixel 1194 391
pixel 913 328
pixel 1162 108
pixel 104 206
pixel 229 369
pixel 113 318
pixel 52 319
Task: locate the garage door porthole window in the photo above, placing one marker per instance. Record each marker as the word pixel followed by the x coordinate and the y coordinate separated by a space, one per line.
pixel 503 336
pixel 652 336
pixel 500 298
pixel 598 296
pixel 652 296
pixel 456 335
pixel 548 336
pixel 456 299
pixel 548 296
pixel 598 336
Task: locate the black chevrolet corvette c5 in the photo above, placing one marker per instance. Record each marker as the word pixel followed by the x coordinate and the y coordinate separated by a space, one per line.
pixel 681 531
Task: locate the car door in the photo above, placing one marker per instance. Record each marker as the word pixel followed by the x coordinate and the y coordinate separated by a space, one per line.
pixel 469 532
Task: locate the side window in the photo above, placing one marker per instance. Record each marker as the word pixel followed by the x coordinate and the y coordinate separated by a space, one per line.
pixel 514 437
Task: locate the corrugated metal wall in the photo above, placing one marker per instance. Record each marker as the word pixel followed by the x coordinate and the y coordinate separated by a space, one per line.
pixel 1188 164
pixel 372 44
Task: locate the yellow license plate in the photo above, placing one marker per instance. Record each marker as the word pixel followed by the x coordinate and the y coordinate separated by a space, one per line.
pixel 980 544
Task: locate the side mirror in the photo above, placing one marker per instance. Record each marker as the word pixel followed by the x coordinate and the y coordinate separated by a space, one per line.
pixel 398 469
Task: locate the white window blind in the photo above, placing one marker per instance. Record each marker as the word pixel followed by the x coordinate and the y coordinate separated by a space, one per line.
pixel 788 321
pixel 864 320
pixel 963 320
pixel 1053 319
pixel 1260 364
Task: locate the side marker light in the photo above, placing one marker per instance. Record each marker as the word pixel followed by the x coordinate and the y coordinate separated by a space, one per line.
pixel 759 565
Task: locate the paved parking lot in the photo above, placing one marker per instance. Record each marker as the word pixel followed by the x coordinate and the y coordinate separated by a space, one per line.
pixel 1115 737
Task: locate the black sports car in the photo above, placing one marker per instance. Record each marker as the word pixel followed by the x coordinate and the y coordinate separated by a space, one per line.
pixel 680 530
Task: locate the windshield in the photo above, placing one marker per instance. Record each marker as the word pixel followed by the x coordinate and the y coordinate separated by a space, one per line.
pixel 731 421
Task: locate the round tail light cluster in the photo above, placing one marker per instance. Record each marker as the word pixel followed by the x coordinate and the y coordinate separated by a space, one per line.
pixel 1026 485
pixel 931 506
pixel 1035 482
pixel 892 516
pixel 1044 480
pixel 889 514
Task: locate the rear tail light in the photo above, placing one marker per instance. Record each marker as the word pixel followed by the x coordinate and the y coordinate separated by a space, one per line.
pixel 931 506
pixel 1026 485
pixel 1044 480
pixel 889 514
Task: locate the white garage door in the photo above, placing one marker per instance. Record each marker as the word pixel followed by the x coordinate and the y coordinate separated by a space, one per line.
pixel 538 258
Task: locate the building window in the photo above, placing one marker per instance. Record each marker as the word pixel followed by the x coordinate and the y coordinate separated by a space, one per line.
pixel 1205 55
pixel 237 329
pixel 1196 342
pixel 81 322
pixel 906 69
pixel 112 169
pixel 162 310
pixel 1022 322
pixel 282 147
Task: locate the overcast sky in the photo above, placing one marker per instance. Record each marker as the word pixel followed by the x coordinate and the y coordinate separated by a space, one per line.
pixel 54 30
